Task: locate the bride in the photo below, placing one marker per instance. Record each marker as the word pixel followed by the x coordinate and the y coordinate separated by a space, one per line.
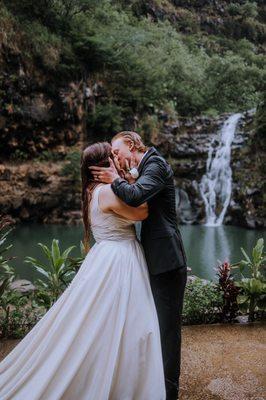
pixel 100 340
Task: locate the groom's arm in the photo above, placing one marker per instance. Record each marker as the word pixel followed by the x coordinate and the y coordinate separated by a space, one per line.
pixel 152 181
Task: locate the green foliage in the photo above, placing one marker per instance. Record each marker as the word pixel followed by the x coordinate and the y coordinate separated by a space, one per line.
pixel 106 119
pixel 75 263
pixel 247 10
pixel 149 127
pixel 142 64
pixel 253 290
pixel 244 22
pixel 19 313
pixel 202 303
pixel 232 72
pixel 261 118
pixel 48 155
pixel 43 298
pixel 7 273
pixel 55 14
pixel 72 167
pixel 46 45
pixel 19 155
pixel 56 273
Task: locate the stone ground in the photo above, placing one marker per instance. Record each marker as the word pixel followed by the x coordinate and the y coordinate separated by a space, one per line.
pixel 219 362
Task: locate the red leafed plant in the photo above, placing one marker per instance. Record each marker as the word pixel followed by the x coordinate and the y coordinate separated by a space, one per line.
pixel 230 291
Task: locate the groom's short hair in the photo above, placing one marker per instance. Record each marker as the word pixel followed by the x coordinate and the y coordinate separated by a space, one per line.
pixel 130 136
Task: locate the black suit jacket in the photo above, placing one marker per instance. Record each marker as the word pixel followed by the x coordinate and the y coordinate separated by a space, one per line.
pixel 160 236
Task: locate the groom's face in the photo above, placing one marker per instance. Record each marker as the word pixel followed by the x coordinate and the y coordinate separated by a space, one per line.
pixel 121 150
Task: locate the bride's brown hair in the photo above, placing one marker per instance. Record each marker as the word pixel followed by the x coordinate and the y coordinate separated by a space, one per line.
pixel 95 154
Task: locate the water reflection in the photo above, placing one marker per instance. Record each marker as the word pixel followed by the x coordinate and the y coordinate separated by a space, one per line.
pixel 206 246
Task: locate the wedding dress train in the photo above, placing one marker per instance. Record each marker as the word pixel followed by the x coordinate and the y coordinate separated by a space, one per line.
pixel 100 340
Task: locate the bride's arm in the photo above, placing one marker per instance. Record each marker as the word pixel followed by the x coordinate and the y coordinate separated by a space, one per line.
pixel 109 202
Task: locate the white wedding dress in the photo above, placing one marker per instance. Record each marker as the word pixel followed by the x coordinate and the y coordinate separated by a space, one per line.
pixel 100 340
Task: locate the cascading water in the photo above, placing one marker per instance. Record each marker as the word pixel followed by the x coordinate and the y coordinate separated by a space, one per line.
pixel 216 185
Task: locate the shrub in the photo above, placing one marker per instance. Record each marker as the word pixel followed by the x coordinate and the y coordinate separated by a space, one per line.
pixel 202 303
pixel 19 313
pixel 247 10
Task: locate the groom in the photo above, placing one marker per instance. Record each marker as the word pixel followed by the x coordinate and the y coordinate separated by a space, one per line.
pixel 152 181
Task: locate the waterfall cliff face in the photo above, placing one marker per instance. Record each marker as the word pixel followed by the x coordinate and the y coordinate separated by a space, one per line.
pixel 218 166
pixel 216 184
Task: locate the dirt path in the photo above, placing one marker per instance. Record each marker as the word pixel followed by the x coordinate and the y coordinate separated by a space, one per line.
pixel 225 362
pixel 219 362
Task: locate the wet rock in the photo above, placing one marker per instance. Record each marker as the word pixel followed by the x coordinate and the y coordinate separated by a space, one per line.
pixel 251 222
pixel 187 143
pixel 193 278
pixel 22 286
pixel 251 192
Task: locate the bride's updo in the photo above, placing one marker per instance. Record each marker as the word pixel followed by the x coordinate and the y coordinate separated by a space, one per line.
pixel 95 154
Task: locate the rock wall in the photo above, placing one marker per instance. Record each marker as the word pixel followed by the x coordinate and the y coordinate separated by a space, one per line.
pixel 185 144
pixel 37 191
pixel 41 121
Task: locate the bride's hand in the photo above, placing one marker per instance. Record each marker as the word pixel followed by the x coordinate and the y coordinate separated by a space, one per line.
pixel 103 174
pixel 129 165
pixel 118 167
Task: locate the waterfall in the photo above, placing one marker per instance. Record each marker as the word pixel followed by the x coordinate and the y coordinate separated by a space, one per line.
pixel 216 185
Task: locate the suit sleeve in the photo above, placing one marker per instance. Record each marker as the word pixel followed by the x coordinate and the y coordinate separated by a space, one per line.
pixel 152 181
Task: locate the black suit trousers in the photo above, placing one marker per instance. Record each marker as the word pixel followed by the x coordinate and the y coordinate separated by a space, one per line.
pixel 168 291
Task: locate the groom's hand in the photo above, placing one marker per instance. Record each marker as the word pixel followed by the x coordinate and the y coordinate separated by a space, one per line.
pixel 105 175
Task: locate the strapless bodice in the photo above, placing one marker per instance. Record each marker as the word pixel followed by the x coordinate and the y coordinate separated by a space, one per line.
pixel 109 226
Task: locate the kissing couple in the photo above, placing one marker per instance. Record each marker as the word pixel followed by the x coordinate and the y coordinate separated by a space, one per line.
pixel 115 332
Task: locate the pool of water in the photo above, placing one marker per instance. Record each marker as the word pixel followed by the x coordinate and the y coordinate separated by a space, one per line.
pixel 205 246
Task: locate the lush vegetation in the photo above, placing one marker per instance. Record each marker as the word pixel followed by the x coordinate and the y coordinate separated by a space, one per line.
pixel 204 302
pixel 145 64
pixel 252 296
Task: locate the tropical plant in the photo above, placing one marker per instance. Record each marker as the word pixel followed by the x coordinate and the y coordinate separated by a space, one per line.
pixel 229 291
pixel 76 262
pixel 7 273
pixel 57 272
pixel 253 290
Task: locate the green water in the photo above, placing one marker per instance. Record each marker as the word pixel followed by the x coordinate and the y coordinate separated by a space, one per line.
pixel 205 246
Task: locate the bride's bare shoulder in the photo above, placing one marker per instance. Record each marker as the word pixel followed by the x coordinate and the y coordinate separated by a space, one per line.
pixel 107 198
pixel 106 192
pixel 109 202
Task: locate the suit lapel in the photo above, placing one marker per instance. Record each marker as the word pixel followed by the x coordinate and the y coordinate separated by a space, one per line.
pixel 150 152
